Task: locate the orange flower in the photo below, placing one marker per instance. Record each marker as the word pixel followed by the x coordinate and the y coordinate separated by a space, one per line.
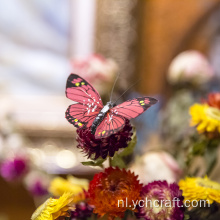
pixel 214 100
pixel 108 189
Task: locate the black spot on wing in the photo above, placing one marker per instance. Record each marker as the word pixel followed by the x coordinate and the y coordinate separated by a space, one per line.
pixel 79 83
pixel 73 120
pixel 146 102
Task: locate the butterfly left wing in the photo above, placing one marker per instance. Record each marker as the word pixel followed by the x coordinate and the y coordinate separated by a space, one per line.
pixel 89 103
pixel 79 90
pixel 109 125
pixel 81 116
pixel 133 108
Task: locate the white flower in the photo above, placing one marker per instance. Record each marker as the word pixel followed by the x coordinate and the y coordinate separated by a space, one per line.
pixel 154 166
pixel 190 66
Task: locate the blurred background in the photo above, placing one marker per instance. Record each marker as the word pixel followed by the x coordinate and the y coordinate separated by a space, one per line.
pixel 42 42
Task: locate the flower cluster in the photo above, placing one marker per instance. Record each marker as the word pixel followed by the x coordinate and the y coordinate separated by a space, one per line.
pixel 114 185
pixel 116 192
pixel 104 194
pixel 206 116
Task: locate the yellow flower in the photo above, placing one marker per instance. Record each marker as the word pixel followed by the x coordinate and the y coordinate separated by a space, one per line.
pixel 54 208
pixel 60 185
pixel 206 118
pixel 197 188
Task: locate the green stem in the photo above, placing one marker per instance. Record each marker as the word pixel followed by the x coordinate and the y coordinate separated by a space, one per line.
pixel 110 161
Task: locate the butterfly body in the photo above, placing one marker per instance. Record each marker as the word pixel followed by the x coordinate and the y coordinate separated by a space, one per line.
pixel 102 114
pixel 89 112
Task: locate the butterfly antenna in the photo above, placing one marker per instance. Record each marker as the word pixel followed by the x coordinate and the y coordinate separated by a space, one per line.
pixel 128 89
pixel 116 79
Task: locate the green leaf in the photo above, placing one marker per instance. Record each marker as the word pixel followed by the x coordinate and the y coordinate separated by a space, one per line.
pixel 186 217
pixel 130 148
pixel 211 156
pixel 97 162
pixel 128 215
pixel 199 147
pixel 118 159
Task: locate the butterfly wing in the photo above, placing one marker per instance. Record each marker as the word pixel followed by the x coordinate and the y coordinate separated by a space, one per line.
pixel 133 108
pixel 114 121
pixel 89 103
pixel 81 116
pixel 79 90
pixel 110 125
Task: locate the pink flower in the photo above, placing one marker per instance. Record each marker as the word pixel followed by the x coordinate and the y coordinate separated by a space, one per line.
pixel 38 189
pixel 190 67
pixel 37 183
pixel 164 201
pixel 14 169
pixel 99 71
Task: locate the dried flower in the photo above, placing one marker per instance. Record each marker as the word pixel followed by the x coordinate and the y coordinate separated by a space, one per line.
pixel 83 211
pixel 14 168
pixel 163 202
pixel 197 188
pixel 53 209
pixel 95 148
pixel 206 118
pixel 214 100
pixel 191 67
pixel 111 186
pixel 72 184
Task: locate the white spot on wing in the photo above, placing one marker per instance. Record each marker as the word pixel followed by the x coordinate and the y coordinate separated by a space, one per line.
pixel 94 108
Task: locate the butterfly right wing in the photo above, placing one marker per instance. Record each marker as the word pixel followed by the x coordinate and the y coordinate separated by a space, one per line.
pixel 110 125
pixel 89 103
pixel 133 108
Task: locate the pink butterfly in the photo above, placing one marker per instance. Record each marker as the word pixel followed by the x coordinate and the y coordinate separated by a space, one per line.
pixel 90 112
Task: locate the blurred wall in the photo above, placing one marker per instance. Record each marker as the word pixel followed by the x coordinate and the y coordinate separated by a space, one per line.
pixel 165 28
pixel 16 202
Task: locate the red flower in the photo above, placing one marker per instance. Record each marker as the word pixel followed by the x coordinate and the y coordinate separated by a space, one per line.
pixel 214 100
pixel 108 189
